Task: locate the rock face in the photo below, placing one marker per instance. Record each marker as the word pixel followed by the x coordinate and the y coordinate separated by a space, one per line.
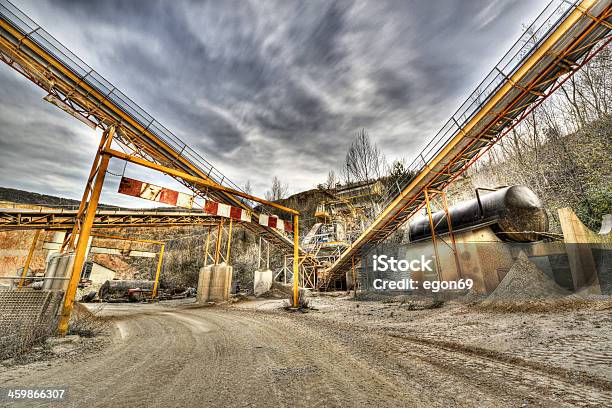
pixel 526 281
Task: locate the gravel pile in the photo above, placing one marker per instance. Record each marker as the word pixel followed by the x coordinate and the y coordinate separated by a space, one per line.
pixel 526 281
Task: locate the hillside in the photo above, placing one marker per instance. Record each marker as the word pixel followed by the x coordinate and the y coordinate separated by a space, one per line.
pixel 27 197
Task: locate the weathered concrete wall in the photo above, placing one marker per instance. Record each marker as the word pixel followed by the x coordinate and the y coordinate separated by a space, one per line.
pixel 14 248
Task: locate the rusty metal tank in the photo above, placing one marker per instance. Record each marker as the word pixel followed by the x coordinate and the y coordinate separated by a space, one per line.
pixel 514 213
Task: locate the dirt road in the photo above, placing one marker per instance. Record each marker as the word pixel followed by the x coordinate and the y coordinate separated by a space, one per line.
pixel 171 356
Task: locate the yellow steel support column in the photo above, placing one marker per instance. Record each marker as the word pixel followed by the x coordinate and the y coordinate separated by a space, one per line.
pixel 433 235
pixel 24 273
pixel 296 257
pixel 449 221
pixel 159 266
pixel 71 237
pixel 229 242
pixel 218 244
pixel 206 246
pixel 84 228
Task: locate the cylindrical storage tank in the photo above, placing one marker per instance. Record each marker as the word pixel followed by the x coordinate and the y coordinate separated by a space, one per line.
pixel 204 284
pixel 512 212
pixel 50 271
pixel 229 275
pixel 217 283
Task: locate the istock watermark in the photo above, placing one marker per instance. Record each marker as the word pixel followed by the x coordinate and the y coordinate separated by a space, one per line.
pixel 383 263
pixel 433 286
pixel 393 266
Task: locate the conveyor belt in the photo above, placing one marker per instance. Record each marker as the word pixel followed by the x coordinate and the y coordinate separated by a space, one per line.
pixel 80 90
pixel 552 48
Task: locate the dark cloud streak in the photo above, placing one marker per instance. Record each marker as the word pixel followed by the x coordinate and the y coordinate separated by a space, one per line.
pixel 261 88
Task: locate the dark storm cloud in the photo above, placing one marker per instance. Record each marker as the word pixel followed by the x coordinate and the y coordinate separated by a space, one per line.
pixel 260 88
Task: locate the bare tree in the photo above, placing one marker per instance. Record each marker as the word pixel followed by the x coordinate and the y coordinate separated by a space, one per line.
pixel 364 160
pixel 278 191
pixel 332 180
pixel 247 187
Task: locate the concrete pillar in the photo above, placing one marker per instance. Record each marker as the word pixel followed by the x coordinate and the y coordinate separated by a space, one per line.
pixel 204 283
pixel 577 237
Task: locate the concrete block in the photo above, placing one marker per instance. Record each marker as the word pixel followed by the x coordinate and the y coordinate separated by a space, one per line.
pixel 204 284
pixel 262 282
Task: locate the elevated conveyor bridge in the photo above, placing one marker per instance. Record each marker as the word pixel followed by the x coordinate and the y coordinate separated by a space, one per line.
pixel 78 89
pixel 563 37
pixel 49 219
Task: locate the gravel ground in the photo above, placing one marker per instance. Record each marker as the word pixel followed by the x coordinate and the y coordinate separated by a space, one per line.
pixel 347 353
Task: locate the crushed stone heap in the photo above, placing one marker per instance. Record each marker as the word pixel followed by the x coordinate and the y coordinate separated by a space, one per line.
pixel 526 281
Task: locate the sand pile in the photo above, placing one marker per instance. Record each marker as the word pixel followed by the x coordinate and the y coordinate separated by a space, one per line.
pixel 525 281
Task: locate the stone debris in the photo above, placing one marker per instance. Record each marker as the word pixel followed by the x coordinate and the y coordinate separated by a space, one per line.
pixel 526 281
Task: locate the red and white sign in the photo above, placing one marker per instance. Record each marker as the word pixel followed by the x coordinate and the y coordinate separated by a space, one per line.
pixel 273 221
pixel 224 210
pixel 137 188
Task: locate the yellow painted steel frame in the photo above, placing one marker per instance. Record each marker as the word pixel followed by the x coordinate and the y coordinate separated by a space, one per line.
pixel 162 245
pixel 229 242
pixel 206 246
pixel 159 266
pixel 219 241
pixel 354 275
pixel 296 255
pixel 222 236
pixel 89 204
pixel 135 136
pixel 434 237
pixel 24 273
pixel 197 180
pixel 64 220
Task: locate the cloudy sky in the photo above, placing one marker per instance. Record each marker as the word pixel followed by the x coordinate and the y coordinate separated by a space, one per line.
pixel 260 88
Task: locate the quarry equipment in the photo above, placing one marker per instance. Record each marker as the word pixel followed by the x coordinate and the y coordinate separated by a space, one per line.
pixel 79 90
pixel 514 213
pixel 564 37
pixel 160 256
pixel 64 220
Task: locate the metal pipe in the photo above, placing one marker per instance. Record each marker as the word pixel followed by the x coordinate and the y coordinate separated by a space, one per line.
pixel 26 267
pixel 433 235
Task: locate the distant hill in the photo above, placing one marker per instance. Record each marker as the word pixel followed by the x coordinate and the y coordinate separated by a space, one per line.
pixel 27 197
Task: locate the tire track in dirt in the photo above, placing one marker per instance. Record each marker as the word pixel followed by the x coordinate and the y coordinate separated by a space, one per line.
pixel 186 356
pixel 505 375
